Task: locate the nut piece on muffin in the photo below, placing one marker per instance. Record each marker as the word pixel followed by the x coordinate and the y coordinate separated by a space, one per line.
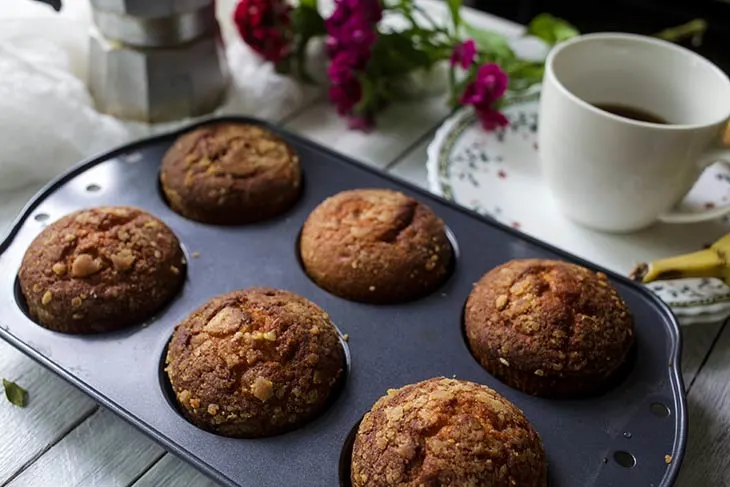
pixel 230 174
pixel 254 363
pixel 375 246
pixel 101 269
pixel 549 328
pixel 446 432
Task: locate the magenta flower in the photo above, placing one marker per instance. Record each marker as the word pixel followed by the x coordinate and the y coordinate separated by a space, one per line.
pixel 351 33
pixel 489 85
pixel 346 96
pixel 491 119
pixel 464 54
pixel 343 66
pixel 361 12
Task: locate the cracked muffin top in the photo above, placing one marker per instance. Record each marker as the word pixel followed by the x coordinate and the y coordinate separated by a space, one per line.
pixel 230 173
pixel 254 363
pixel 101 269
pixel 376 246
pixel 547 327
pixel 446 432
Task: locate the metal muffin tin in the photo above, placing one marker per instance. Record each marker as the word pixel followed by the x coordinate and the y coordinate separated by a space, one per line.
pixel 641 420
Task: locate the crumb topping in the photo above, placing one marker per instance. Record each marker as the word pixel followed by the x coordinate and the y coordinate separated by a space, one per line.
pixel 230 173
pixel 108 264
pixel 372 244
pixel 548 318
pixel 446 432
pixel 251 353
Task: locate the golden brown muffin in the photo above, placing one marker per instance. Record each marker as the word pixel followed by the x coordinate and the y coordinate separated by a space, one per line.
pixel 375 246
pixel 548 328
pixel 101 269
pixel 254 363
pixel 446 432
pixel 230 174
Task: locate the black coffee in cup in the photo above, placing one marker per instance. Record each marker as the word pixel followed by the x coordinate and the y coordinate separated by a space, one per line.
pixel 630 112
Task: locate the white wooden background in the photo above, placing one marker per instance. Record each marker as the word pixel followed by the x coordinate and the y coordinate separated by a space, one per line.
pixel 64 439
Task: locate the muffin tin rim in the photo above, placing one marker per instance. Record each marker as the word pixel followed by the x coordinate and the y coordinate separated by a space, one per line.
pixel 672 329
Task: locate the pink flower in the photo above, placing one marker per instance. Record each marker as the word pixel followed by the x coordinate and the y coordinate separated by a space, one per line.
pixel 361 12
pixel 464 54
pixel 265 25
pixel 489 85
pixel 491 119
pixel 346 96
pixel 343 66
pixel 351 33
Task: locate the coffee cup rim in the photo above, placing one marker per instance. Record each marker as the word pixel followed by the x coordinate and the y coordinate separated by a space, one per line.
pixel 639 39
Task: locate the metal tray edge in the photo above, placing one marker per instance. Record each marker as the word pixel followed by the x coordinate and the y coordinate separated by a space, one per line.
pixel 677 381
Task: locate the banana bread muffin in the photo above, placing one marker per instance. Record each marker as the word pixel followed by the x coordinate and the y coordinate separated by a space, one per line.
pixel 101 269
pixel 230 173
pixel 548 328
pixel 446 432
pixel 254 363
pixel 375 246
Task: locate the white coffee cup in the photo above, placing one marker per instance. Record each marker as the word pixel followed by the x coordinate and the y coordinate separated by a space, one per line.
pixel 616 174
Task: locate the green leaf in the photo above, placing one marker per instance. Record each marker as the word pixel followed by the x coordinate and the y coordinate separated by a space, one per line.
pixel 15 394
pixel 491 45
pixel 455 10
pixel 368 98
pixel 307 22
pixel 694 30
pixel 394 54
pixel 551 29
pixel 525 70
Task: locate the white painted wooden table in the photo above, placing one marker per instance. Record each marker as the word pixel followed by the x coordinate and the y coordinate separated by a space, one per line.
pixel 64 439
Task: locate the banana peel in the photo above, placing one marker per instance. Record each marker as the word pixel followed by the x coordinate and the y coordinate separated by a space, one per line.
pixel 711 262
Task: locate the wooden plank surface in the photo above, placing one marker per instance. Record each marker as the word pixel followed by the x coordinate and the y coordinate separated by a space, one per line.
pixel 103 451
pixel 54 408
pixel 171 471
pixel 706 462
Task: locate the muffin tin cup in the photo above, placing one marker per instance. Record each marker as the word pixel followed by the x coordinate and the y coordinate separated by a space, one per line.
pixel 632 434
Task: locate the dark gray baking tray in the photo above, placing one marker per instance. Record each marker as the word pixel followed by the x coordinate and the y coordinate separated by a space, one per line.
pixel 389 346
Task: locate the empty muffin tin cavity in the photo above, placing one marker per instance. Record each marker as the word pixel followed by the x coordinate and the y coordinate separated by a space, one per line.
pixel 345 465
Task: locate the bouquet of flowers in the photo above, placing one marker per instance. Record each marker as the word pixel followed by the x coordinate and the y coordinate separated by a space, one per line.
pixel 367 58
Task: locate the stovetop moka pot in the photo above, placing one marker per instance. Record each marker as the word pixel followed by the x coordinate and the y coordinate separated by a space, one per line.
pixel 155 61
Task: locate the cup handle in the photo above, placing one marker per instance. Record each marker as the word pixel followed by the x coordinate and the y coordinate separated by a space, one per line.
pixel 718 154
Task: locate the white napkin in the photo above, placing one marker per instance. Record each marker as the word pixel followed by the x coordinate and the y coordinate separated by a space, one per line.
pixel 47 117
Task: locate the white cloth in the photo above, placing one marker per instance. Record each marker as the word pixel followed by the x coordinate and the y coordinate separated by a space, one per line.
pixel 47 117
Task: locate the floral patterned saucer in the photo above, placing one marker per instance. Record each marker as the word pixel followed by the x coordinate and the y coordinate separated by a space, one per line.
pixel 497 174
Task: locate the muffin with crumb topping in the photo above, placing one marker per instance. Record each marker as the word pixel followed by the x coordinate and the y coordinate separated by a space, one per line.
pixel 101 269
pixel 549 328
pixel 254 363
pixel 375 246
pixel 230 174
pixel 446 432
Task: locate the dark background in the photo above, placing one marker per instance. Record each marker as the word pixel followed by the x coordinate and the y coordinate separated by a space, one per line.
pixel 637 16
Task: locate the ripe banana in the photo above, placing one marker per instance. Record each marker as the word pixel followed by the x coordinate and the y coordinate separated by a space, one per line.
pixel 711 262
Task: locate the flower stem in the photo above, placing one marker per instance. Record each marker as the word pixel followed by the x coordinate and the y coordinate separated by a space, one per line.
pixel 694 29
pixel 436 26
